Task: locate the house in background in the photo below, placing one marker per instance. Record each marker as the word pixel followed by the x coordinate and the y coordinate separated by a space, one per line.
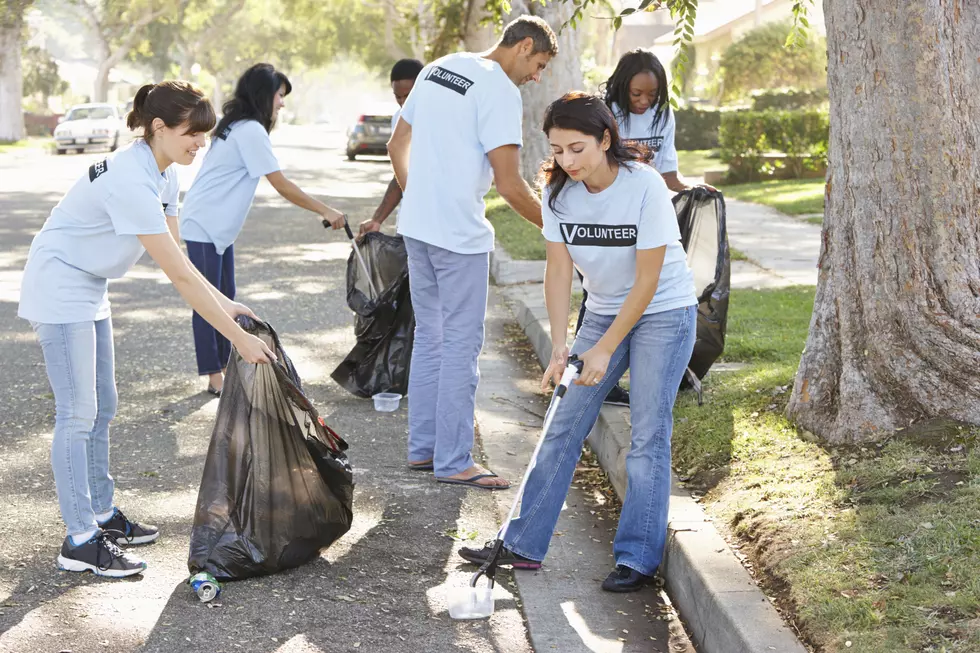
pixel 719 23
pixel 726 22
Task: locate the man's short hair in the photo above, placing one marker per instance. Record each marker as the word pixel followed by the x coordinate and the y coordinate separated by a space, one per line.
pixel 533 28
pixel 406 69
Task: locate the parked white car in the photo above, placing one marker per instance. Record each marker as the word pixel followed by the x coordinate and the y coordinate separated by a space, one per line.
pixel 91 125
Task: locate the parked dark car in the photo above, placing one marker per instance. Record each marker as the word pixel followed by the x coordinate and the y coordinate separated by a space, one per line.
pixel 369 135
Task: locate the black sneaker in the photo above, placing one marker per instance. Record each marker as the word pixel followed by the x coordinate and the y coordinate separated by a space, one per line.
pixel 122 528
pixel 625 580
pixel 100 555
pixel 506 558
pixel 618 397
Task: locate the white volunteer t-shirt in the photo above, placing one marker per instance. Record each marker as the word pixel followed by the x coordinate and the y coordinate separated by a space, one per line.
pixel 217 203
pixel 92 235
pixel 652 130
pixel 602 232
pixel 394 121
pixel 462 107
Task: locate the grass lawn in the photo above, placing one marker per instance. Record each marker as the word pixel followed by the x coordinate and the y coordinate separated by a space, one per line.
pixel 520 238
pixel 693 163
pixel 873 548
pixel 31 142
pixel 792 196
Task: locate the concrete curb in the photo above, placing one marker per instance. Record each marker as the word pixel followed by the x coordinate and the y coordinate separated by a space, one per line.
pixel 507 272
pixel 724 610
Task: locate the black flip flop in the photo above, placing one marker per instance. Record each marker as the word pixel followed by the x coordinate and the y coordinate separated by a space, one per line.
pixel 422 467
pixel 213 391
pixel 471 482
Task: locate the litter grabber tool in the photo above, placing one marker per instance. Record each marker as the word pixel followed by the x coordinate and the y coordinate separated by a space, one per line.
pixel 357 252
pixel 473 602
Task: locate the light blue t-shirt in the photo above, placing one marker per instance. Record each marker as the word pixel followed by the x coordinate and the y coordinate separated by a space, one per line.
pixel 603 230
pixel 654 131
pixel 217 203
pixel 462 107
pixel 92 234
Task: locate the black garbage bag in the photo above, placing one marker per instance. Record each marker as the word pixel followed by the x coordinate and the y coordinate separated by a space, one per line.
pixel 277 486
pixel 704 235
pixel 384 321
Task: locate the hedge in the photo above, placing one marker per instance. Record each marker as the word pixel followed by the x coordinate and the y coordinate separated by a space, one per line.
pixel 697 129
pixel 747 139
pixel 788 99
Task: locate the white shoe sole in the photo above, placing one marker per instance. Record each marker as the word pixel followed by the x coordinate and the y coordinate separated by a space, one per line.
pixel 143 539
pixel 68 564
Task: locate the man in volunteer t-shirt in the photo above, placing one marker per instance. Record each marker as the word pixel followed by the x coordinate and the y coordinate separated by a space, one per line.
pixel 459 130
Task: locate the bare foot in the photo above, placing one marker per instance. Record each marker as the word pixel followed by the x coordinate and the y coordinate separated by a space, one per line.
pixel 216 381
pixel 476 470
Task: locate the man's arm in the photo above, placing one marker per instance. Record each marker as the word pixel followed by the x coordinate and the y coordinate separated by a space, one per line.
pixel 398 148
pixel 393 195
pixel 506 163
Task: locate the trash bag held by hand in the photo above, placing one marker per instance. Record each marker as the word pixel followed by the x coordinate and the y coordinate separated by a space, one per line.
pixel 704 235
pixel 384 321
pixel 277 486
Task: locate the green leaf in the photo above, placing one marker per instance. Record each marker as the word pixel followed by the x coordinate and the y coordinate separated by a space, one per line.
pixel 617 22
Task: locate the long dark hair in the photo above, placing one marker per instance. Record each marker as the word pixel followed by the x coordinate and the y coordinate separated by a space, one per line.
pixel 617 87
pixel 172 102
pixel 254 94
pixel 589 115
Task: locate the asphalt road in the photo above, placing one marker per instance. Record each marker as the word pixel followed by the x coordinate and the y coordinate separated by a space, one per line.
pixel 381 588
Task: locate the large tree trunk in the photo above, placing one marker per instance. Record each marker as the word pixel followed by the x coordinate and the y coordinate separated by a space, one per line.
pixel 895 335
pixel 11 75
pixel 563 74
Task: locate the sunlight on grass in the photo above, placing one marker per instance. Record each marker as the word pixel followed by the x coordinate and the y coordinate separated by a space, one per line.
pixel 693 163
pixel 793 196
pixel 521 239
pixel 876 545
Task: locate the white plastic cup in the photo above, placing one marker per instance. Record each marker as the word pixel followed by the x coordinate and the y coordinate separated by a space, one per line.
pixel 471 602
pixel 386 402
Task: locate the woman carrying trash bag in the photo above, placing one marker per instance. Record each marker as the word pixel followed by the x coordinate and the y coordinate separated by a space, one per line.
pixel 219 199
pixel 612 217
pixel 119 208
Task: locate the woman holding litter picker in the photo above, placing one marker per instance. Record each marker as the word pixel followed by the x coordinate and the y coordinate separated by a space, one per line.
pixel 119 208
pixel 611 217
pixel 218 201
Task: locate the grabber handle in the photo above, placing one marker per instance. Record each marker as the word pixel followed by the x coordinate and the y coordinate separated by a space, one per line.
pixel 572 370
pixel 350 234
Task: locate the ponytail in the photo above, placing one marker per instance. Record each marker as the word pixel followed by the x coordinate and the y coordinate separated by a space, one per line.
pixel 174 103
pixel 135 118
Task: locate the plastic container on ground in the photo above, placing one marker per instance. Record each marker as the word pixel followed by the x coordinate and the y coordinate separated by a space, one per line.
pixel 386 402
pixel 471 602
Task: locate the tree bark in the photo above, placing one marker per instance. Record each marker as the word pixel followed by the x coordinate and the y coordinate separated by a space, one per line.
pixel 895 333
pixel 563 74
pixel 11 73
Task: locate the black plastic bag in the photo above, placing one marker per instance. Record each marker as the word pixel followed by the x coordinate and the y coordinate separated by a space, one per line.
pixel 704 235
pixel 384 321
pixel 277 486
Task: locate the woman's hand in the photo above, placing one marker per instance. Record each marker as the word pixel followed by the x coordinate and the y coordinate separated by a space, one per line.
pixel 556 367
pixel 335 218
pixel 708 187
pixel 253 350
pixel 234 309
pixel 596 362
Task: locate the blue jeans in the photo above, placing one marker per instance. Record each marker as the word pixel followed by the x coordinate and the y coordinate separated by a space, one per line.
pixel 656 352
pixel 212 348
pixel 80 363
pixel 449 295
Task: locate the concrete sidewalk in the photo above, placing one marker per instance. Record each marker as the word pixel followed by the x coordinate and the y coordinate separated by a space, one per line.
pixel 783 251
